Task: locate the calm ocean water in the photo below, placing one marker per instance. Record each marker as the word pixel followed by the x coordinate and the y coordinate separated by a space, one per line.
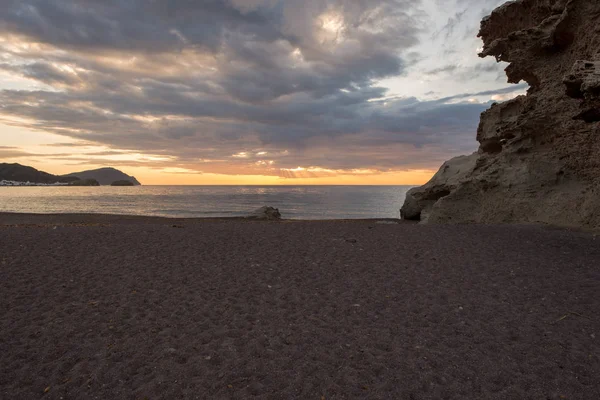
pixel 294 202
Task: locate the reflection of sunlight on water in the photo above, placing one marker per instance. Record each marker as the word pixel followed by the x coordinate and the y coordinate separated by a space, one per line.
pixel 301 202
pixel 252 190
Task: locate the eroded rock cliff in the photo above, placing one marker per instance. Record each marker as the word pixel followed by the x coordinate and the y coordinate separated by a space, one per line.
pixel 539 154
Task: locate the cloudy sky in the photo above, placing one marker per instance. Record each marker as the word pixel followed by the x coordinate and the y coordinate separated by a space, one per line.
pixel 245 91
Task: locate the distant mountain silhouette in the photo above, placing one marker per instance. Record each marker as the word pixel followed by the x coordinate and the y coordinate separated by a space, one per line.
pixel 105 176
pixel 23 173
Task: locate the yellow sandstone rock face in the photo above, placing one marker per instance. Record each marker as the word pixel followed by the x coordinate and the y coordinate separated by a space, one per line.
pixel 539 154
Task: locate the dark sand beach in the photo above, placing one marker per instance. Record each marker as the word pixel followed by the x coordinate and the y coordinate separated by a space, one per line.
pixel 101 307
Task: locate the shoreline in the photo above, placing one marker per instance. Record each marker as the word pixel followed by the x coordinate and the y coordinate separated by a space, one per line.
pixel 99 217
pixel 18 218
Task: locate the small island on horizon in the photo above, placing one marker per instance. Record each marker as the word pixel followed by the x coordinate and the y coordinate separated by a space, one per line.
pixel 21 175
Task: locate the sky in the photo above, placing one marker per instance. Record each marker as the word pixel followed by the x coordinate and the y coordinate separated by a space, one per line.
pixel 245 91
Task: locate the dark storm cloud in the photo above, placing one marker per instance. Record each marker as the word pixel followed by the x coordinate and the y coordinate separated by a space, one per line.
pixel 152 26
pixel 233 82
pixel 343 120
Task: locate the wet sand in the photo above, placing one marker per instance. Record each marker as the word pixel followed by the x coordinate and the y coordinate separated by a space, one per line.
pixel 105 307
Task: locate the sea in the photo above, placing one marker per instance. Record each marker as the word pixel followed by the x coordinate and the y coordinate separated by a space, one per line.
pixel 293 202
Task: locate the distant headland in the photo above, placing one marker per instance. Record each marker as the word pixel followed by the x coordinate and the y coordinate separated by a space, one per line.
pixel 22 175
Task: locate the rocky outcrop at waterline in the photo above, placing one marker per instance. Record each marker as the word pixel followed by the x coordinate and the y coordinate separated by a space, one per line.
pixel 85 182
pixel 419 202
pixel 123 182
pixel 265 213
pixel 539 154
